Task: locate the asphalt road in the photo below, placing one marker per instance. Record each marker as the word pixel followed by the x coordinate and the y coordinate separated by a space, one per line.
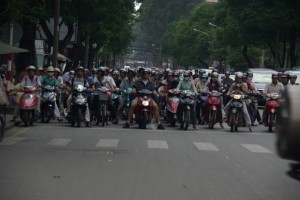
pixel 57 162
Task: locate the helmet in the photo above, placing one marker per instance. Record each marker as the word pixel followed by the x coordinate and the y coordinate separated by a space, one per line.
pixel 41 69
pixel 238 75
pixel 244 75
pixel 86 70
pixel 107 69
pixel 79 68
pixel 170 73
pixel 168 69
pixel 50 69
pixel 293 76
pixel 131 71
pixel 249 74
pixel 146 70
pixel 31 67
pixel 285 75
pixel 275 75
pixel 116 72
pixel 215 70
pixel 215 75
pixel 102 69
pixel 187 73
pixel 94 70
pixel 57 70
pixel 204 76
pixel 123 70
pixel 71 72
pixel 227 73
pixel 175 73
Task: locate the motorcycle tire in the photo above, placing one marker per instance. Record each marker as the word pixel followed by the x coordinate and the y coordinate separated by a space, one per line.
pixel 283 147
pixel 173 120
pixel 103 115
pixel 186 116
pixel 231 122
pixel 78 118
pixel 144 120
pixel 126 112
pixel 48 114
pixel 212 119
pixel 26 118
pixel 1 128
pixel 32 114
pixel 271 122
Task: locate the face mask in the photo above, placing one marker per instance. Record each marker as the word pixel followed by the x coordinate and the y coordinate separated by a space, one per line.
pixel 186 78
pixel 214 79
pixel 50 73
pixel 249 78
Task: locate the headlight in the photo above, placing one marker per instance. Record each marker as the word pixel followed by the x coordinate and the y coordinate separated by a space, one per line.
pixel 145 103
pixel 237 96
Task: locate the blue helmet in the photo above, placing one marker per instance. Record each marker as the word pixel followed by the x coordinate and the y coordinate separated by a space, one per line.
pixel 102 69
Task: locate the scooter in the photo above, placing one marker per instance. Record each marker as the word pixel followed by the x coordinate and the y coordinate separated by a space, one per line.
pixel 235 114
pixel 200 106
pixel 185 108
pixel 48 99
pixel 272 105
pixel 27 105
pixel 213 108
pixel 143 112
pixel 78 105
pixel 172 106
pixel 127 101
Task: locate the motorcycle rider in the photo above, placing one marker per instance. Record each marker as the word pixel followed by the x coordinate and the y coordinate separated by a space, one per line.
pixel 79 79
pixel 274 87
pixel 216 85
pixel 285 79
pixel 202 89
pixel 293 78
pixel 127 82
pixel 188 84
pixel 144 83
pixel 49 79
pixel 239 85
pixel 227 81
pixel 30 80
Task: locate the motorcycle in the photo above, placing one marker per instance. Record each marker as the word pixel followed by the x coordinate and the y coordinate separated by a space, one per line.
pixel 251 102
pixel 78 105
pixel 186 103
pixel 272 105
pixel 127 101
pixel 200 106
pixel 115 102
pixel 213 108
pixel 102 108
pixel 235 114
pixel 143 112
pixel 172 106
pixel 27 105
pixel 48 99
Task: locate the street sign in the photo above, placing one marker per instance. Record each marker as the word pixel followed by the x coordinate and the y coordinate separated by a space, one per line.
pixel 17 33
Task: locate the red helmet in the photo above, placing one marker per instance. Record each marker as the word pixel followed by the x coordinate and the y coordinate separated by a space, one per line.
pixel 107 69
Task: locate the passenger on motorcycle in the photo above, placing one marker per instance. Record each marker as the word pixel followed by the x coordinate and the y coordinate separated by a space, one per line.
pixel 188 84
pixel 227 81
pixel 115 76
pixel 79 79
pixel 49 79
pixel 239 87
pixel 144 83
pixel 274 87
pixel 30 80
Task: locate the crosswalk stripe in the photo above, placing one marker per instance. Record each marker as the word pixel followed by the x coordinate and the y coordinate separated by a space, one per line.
pixel 255 148
pixel 204 146
pixel 11 140
pixel 60 142
pixel 108 143
pixel 157 144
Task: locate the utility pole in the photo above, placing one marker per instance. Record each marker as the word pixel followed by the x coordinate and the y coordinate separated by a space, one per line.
pixel 56 33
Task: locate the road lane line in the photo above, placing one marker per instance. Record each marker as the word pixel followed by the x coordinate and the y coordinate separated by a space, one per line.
pixel 11 140
pixel 20 132
pixel 59 141
pixel 255 148
pixel 157 144
pixel 204 146
pixel 113 143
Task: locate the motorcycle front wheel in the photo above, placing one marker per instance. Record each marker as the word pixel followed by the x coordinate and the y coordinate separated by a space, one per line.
pixel 186 120
pixel 78 117
pixel 271 122
pixel 212 119
pixel 144 120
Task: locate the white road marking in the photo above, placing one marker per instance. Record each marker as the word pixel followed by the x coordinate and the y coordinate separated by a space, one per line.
pixel 19 132
pixel 157 144
pixel 108 143
pixel 60 142
pixel 203 146
pixel 11 140
pixel 255 148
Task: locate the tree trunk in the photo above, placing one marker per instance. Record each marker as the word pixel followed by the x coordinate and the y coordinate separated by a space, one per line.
pixel 293 47
pixel 246 56
pixel 27 42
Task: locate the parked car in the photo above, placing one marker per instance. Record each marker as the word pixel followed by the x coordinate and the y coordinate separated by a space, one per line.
pixel 262 77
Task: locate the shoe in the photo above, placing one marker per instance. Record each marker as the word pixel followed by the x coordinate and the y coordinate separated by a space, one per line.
pixel 195 127
pixel 160 126
pixel 261 122
pixel 221 124
pixel 250 129
pixel 88 124
pixel 126 125
pixel 115 122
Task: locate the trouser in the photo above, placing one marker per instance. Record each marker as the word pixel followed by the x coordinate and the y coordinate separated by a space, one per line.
pixel 245 112
pixel 134 105
pixel 87 111
pixel 121 108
